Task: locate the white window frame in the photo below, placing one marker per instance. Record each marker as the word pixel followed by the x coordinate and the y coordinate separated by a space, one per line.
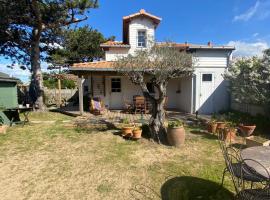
pixel 145 42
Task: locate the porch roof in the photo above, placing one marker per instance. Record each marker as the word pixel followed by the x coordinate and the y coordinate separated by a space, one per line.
pixel 93 66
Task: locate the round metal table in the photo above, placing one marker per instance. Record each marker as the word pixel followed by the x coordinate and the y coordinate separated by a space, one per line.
pixel 260 154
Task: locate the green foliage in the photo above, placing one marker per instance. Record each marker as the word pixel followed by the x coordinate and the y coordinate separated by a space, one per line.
pixel 125 121
pixel 250 80
pixel 175 124
pixel 51 82
pixel 78 45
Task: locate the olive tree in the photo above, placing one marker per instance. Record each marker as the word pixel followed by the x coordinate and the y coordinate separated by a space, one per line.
pixel 156 65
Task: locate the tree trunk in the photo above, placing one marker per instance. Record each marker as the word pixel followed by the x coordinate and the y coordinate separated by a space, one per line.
pixel 157 120
pixel 36 85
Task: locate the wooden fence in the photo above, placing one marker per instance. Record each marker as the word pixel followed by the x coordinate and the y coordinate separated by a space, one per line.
pixel 67 95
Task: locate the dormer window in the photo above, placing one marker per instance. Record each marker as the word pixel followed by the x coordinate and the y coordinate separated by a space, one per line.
pixel 141 38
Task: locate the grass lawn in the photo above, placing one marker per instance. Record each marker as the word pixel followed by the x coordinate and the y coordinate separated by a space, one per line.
pixel 56 161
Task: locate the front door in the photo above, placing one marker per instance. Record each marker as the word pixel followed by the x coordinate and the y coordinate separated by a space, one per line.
pixel 116 100
pixel 206 93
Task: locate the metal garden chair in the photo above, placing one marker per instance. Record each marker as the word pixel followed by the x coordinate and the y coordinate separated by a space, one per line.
pixel 243 193
pixel 234 163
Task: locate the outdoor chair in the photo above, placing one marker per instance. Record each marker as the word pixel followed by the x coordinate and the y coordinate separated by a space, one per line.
pixel 243 193
pixel 234 163
pixel 139 104
pixel 97 106
pixel 128 106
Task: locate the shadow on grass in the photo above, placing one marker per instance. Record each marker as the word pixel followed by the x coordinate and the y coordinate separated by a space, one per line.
pixel 189 188
pixel 204 134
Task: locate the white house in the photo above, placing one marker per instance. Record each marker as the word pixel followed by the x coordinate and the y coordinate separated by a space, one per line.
pixel 205 92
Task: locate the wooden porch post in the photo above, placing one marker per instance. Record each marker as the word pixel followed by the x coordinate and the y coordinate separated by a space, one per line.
pixel 80 88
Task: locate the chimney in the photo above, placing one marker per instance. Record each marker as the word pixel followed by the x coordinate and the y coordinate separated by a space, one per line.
pixel 209 44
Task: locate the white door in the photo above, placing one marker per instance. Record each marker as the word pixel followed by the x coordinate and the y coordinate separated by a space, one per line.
pixel 116 100
pixel 206 95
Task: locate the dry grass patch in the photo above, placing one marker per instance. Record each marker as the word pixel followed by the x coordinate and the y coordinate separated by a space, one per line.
pixel 51 161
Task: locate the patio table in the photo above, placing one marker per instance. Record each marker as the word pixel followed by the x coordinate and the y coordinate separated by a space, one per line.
pixel 24 110
pixel 260 154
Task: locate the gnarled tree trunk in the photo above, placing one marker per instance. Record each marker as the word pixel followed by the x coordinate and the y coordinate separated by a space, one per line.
pixel 157 120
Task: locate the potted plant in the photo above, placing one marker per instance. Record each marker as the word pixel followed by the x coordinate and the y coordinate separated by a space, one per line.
pixel 3 127
pixel 212 126
pixel 127 128
pixel 247 129
pixel 176 133
pixel 221 124
pixel 137 133
pixel 230 132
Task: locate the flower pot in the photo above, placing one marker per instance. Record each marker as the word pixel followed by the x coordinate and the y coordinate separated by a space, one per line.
pixel 212 127
pixel 137 133
pixel 3 129
pixel 176 136
pixel 247 130
pixel 230 134
pixel 221 125
pixel 127 131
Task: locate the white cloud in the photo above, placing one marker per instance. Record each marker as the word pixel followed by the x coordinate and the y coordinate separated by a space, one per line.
pixel 260 11
pixel 255 34
pixel 248 48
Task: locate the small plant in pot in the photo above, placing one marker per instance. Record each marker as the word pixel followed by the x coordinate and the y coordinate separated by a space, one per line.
pixel 247 129
pixel 176 133
pixel 212 126
pixel 137 133
pixel 221 124
pixel 127 128
pixel 3 127
pixel 230 132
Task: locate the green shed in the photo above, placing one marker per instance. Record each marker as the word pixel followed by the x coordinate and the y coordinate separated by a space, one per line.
pixel 8 95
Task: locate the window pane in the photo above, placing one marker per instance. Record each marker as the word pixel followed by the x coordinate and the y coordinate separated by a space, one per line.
pixel 116 84
pixel 141 39
pixel 207 77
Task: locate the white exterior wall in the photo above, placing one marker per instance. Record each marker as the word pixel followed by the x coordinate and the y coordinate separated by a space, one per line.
pixel 140 24
pixel 115 53
pixel 215 63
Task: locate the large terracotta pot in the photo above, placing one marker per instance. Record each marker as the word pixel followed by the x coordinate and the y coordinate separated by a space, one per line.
pixel 176 136
pixel 212 127
pixel 247 130
pixel 221 125
pixel 137 133
pixel 127 131
pixel 230 134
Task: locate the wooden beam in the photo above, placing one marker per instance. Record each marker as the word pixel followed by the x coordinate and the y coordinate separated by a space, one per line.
pixel 80 88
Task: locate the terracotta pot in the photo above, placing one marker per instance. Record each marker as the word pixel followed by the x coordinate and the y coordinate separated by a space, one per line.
pixel 127 131
pixel 137 133
pixel 212 127
pixel 230 134
pixel 221 125
pixel 247 130
pixel 176 136
pixel 3 129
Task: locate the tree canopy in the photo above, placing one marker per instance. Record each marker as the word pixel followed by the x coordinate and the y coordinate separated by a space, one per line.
pixel 78 45
pixel 30 27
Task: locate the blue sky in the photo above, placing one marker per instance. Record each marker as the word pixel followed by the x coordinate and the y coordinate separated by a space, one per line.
pixel 242 23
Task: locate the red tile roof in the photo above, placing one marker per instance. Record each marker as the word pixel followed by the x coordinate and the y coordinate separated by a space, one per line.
pixel 143 13
pixel 114 44
pixel 94 65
